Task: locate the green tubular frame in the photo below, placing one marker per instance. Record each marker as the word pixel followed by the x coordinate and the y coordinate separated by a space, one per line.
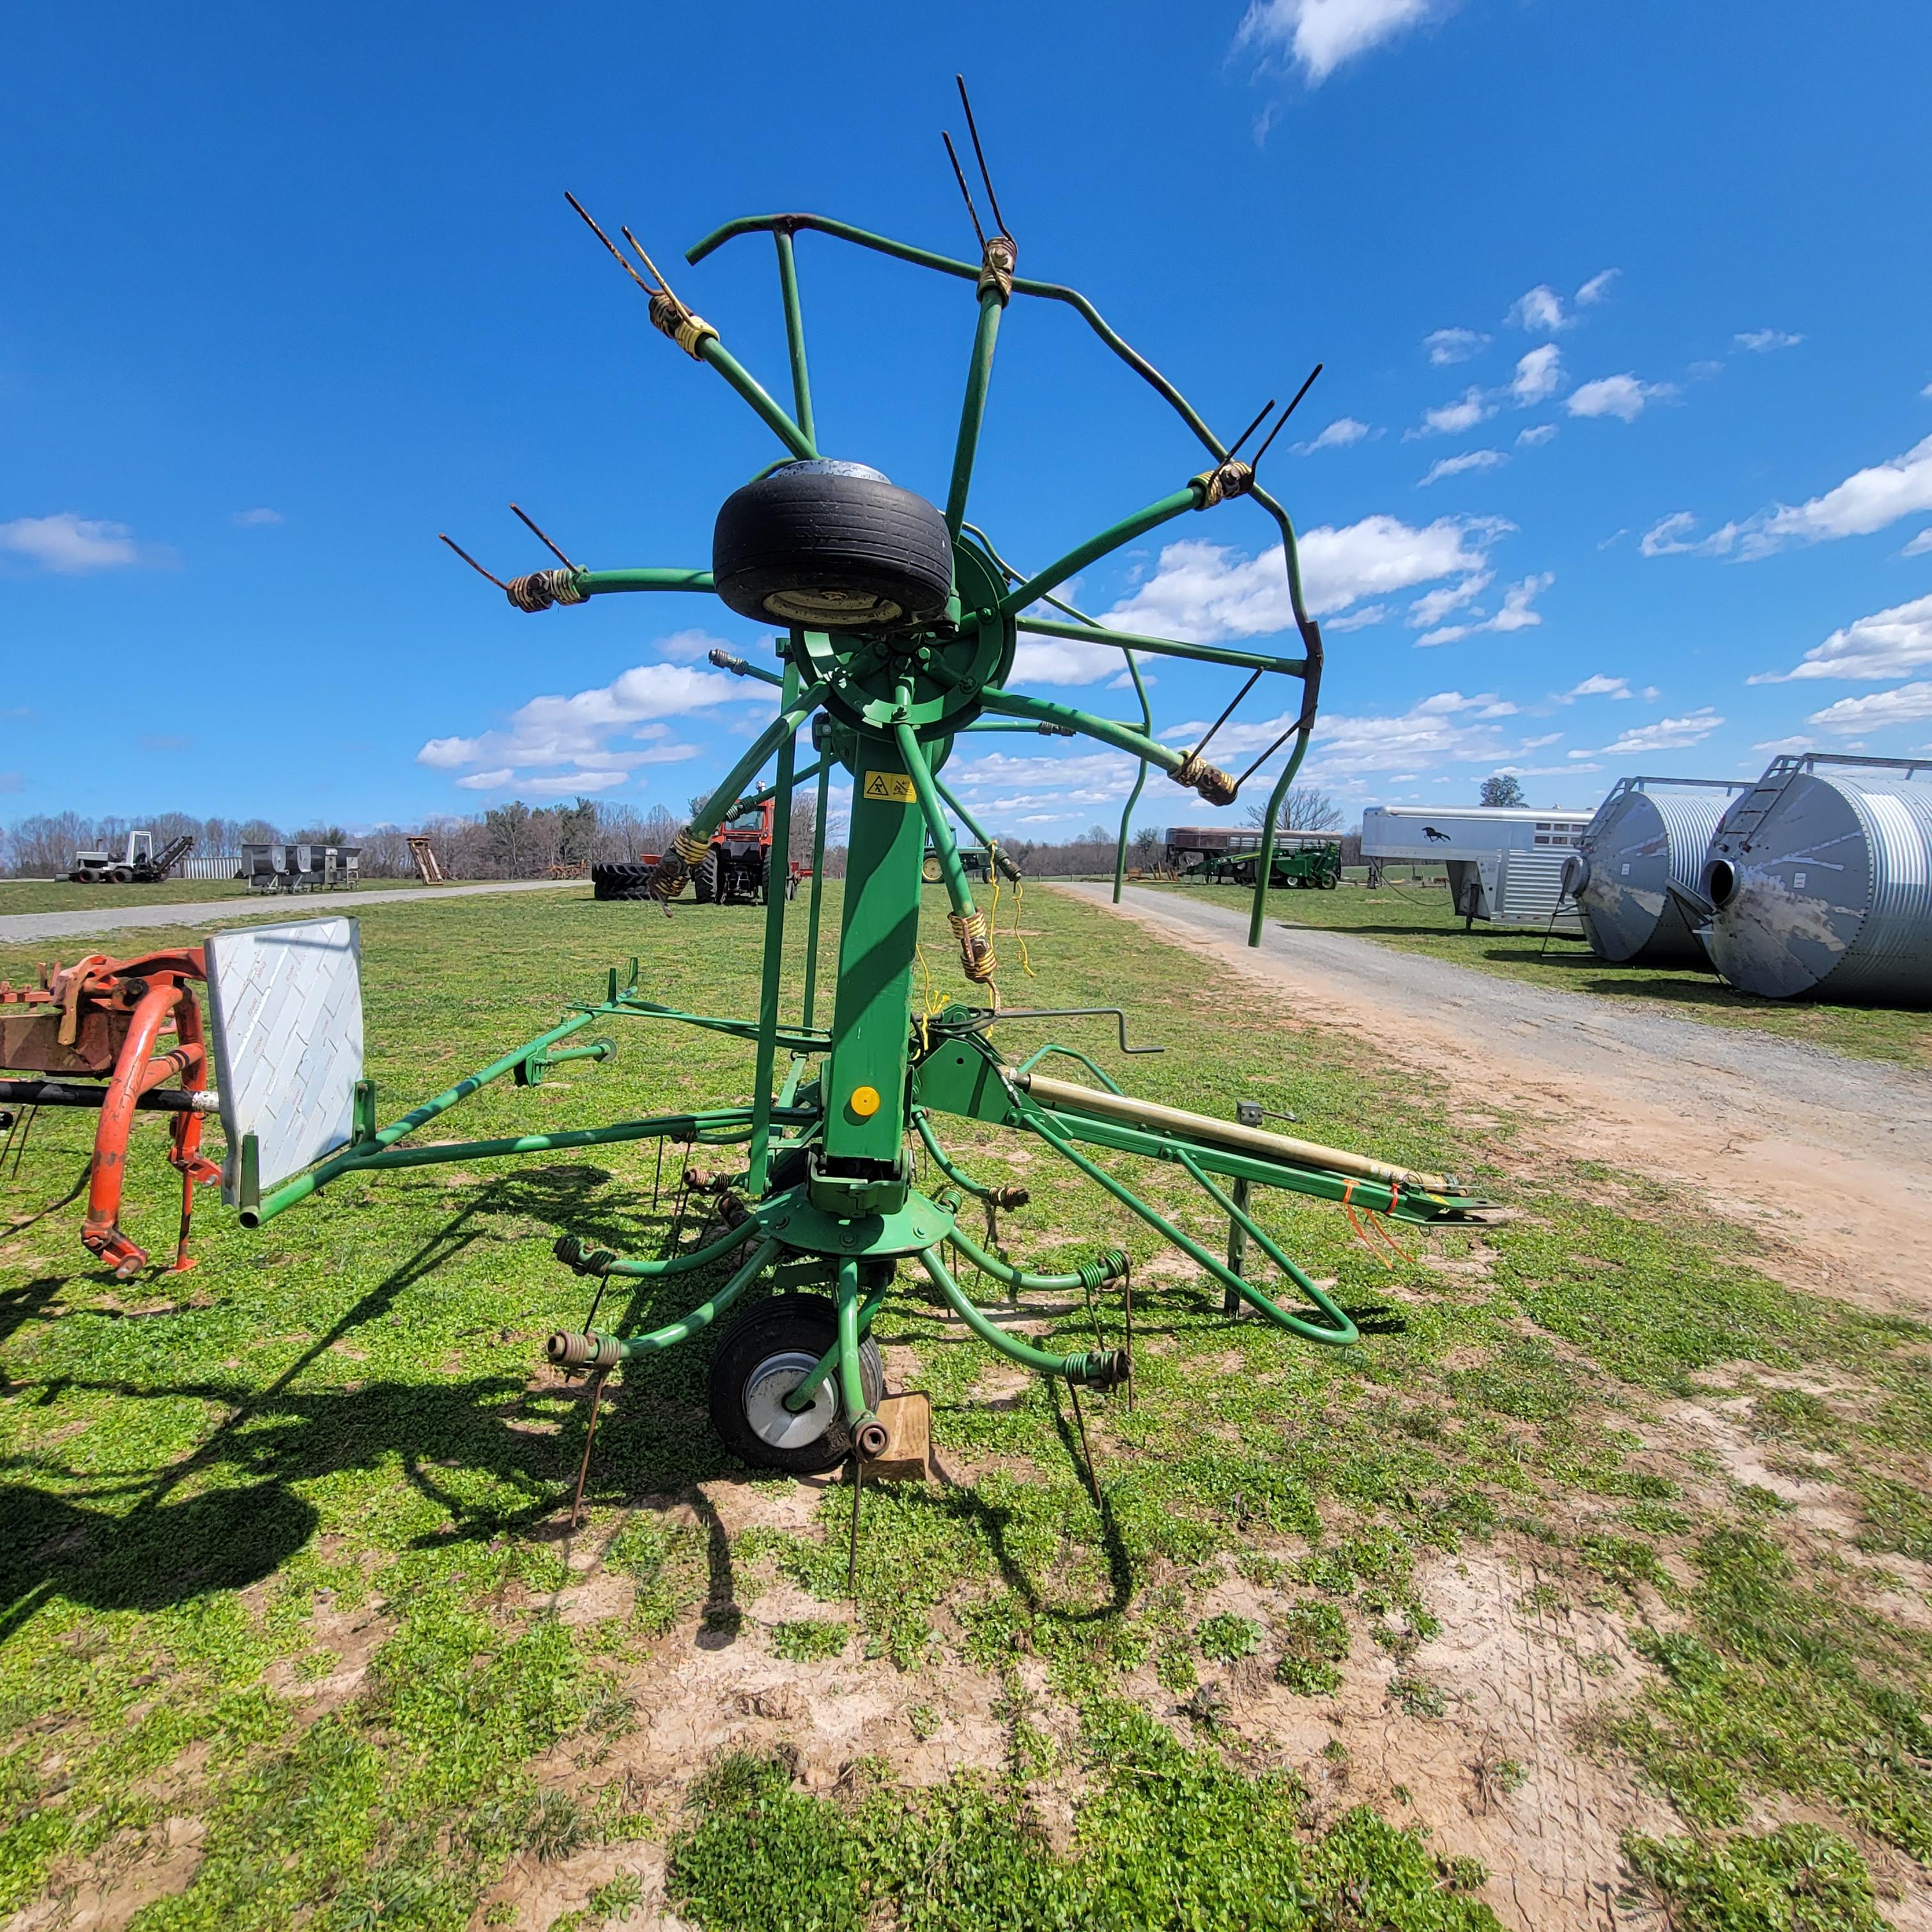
pixel 1099 1368
pixel 854 1211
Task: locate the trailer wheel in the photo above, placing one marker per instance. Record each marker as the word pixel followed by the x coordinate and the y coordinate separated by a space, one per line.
pixel 832 546
pixel 704 878
pixel 761 1359
pixel 930 870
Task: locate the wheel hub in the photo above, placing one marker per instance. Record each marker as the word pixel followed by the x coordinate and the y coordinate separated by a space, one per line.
pixel 771 1382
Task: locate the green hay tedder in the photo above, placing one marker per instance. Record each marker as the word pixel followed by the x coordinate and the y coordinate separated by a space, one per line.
pixel 900 620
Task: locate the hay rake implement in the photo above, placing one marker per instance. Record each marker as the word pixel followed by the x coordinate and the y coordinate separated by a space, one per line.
pixel 900 621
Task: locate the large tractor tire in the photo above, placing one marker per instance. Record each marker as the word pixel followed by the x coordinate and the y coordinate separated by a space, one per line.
pixel 620 881
pixel 832 546
pixel 704 878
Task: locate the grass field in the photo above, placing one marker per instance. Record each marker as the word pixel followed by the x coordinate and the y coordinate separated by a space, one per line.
pixel 1417 919
pixel 296 1632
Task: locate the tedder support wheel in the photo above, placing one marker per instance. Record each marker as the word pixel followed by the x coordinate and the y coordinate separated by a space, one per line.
pixel 704 879
pixel 832 546
pixel 761 1358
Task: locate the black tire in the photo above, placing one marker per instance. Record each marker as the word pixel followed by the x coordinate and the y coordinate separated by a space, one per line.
pixel 832 546
pixel 765 877
pixel 620 881
pixel 765 1353
pixel 704 878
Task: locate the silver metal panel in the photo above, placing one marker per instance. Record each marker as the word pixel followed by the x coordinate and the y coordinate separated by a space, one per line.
pixel 1829 879
pixel 286 1005
pixel 1642 841
pixel 1530 891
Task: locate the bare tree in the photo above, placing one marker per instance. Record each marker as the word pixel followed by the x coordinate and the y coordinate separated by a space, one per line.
pixel 1307 808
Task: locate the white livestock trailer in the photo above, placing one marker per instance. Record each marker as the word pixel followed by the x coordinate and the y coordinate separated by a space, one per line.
pixel 1505 863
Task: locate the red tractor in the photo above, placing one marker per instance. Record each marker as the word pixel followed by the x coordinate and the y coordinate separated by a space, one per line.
pixel 736 870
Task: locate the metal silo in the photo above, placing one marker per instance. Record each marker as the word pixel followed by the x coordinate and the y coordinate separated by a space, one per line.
pixel 1649 833
pixel 1820 880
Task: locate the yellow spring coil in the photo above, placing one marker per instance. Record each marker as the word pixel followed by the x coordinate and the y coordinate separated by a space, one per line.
pixel 975 946
pixel 993 920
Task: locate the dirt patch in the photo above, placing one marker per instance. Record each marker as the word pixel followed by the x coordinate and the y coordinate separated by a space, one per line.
pixel 1826 1160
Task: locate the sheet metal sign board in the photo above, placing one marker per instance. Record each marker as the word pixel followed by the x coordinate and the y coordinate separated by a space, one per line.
pixel 286 1004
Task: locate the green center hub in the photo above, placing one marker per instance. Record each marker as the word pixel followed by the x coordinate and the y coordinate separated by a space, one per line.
pixel 949 663
pixel 913 1226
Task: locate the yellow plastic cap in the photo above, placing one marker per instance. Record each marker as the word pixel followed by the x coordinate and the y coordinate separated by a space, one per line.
pixel 865 1102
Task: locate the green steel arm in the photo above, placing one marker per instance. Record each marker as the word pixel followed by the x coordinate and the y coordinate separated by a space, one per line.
pixel 1339 1337
pixel 748 385
pixel 815 905
pixel 600 583
pixel 1109 731
pixel 925 258
pixel 801 380
pixel 1311 692
pixel 1140 780
pixel 973 409
pixel 758 797
pixel 723 800
pixel 1169 647
pixel 705 1312
pixel 719 1126
pixel 1111 539
pixel 978 830
pixel 951 871
pixel 1101 1368
pixel 778 860
pixel 799 1399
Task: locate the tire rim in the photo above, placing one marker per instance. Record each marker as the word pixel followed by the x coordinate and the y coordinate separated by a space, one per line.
pixel 766 1389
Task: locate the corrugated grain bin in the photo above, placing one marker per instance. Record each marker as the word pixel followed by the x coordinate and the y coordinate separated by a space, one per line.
pixel 1648 833
pixel 1820 877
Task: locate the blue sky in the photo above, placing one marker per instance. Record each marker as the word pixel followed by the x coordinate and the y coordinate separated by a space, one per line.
pixel 1621 460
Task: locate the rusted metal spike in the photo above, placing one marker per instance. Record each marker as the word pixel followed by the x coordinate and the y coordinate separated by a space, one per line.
pixel 473 564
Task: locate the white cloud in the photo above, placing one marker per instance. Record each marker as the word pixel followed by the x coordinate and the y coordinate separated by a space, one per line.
pixel 1540 308
pixel 578 731
pixel 1205 592
pixel 1620 396
pixel 1517 613
pixel 1457 466
pixel 1537 433
pixel 1762 340
pixel 1339 435
pixel 1321 34
pixel 1447 728
pixel 1596 287
pixel 1667 734
pixel 1454 345
pixel 1919 545
pixel 570 783
pixel 1538 375
pixel 1865 502
pixel 1011 784
pixel 71 545
pixel 1434 605
pixel 1361 619
pixel 1888 643
pixel 1063 661
pixel 1775 746
pixel 1597 684
pixel 1706 371
pixel 1904 706
pixel 1452 418
pixel 250 520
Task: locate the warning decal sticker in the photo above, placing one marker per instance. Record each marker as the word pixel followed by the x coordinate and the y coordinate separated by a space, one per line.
pixel 893 785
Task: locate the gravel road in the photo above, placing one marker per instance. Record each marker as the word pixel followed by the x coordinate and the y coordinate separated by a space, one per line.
pixel 105 916
pixel 1830 1155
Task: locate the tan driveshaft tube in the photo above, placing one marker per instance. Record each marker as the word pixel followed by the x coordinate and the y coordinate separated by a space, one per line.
pixel 1065 1096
